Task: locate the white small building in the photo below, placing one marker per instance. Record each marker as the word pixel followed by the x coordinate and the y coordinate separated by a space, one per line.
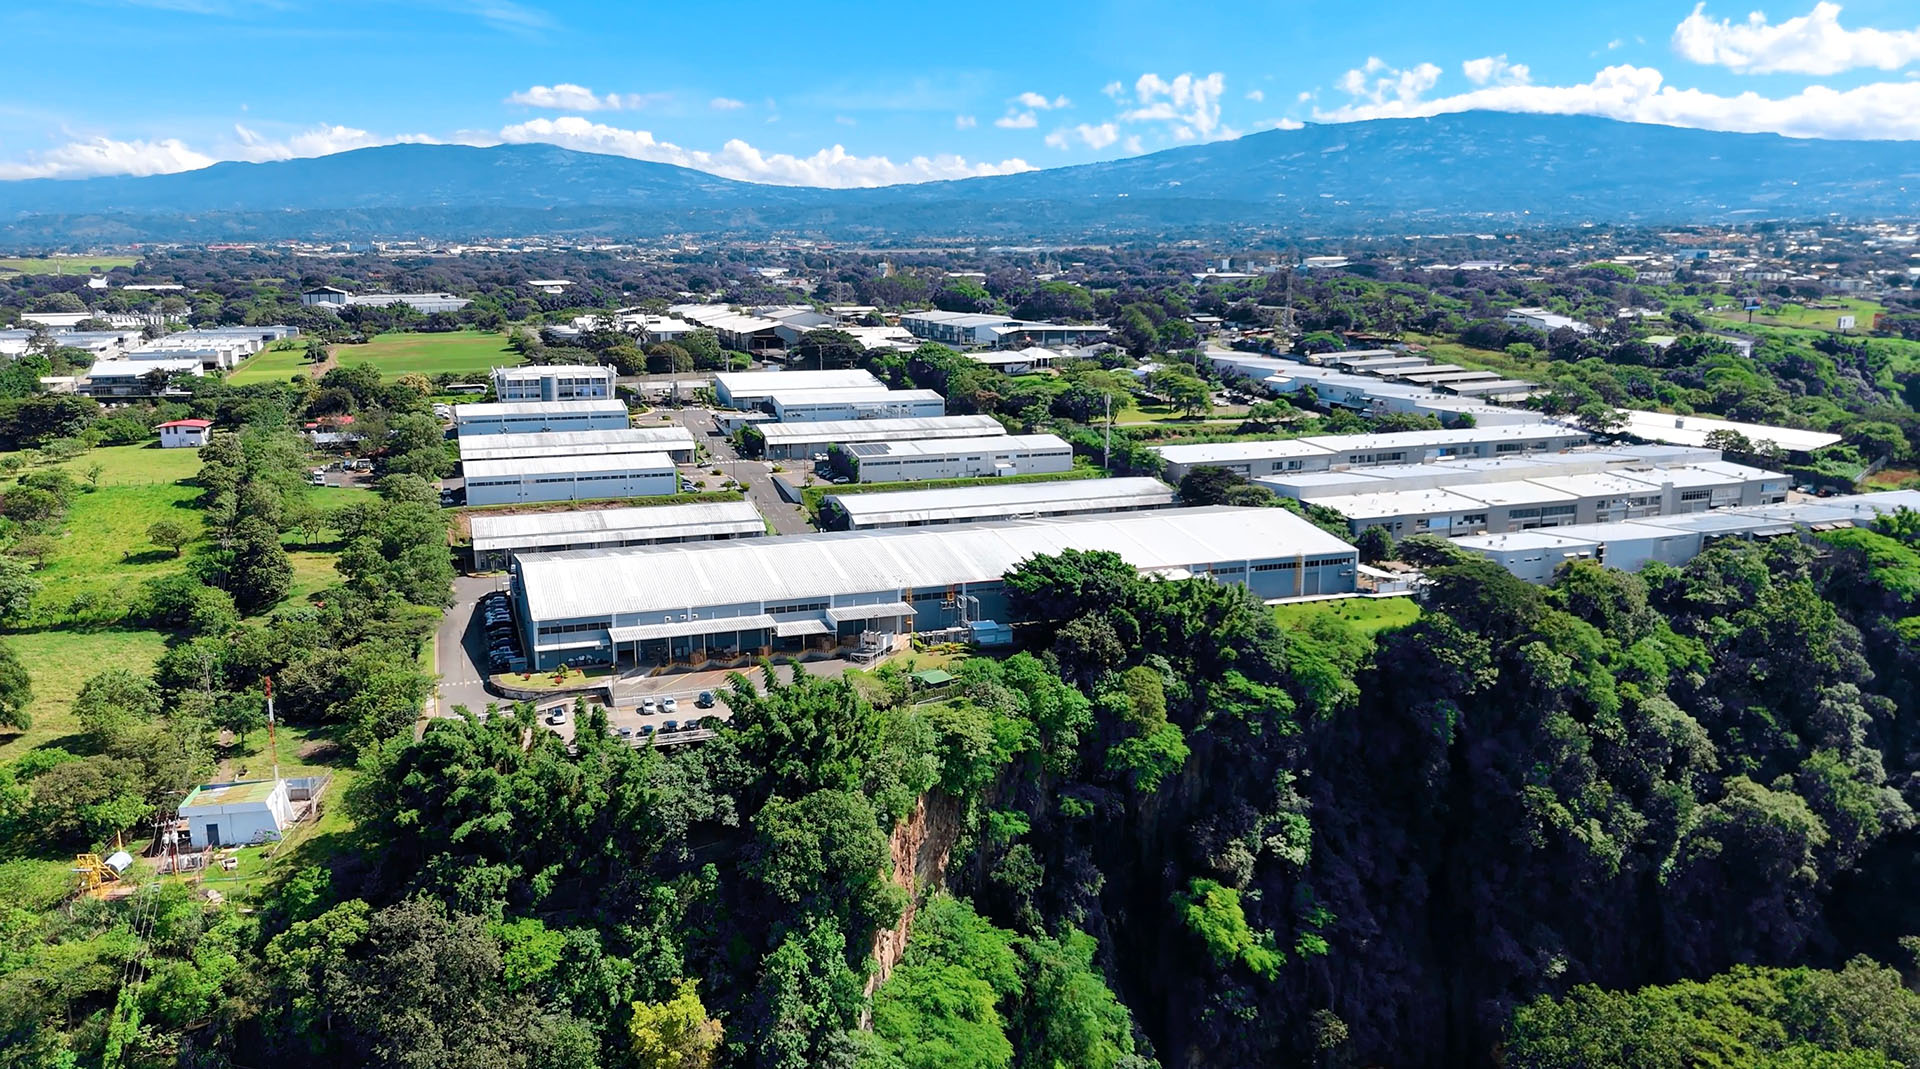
pixel 235 814
pixel 960 458
pixel 570 478
pixel 1544 321
pixel 185 433
pixel 552 287
pixel 553 382
pixel 815 406
pixel 537 417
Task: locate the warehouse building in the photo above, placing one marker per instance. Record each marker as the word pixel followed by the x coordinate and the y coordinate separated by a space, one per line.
pixel 819 406
pixel 956 458
pixel 674 440
pixel 755 389
pixel 496 539
pixel 1006 332
pixel 993 501
pixel 798 441
pixel 1693 430
pixel 1312 485
pixel 1536 555
pixel 540 417
pixel 570 478
pixel 1556 500
pixel 727 603
pixel 1328 452
pixel 553 383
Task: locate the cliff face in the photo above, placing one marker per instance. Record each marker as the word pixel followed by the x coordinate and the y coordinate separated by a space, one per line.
pixel 920 846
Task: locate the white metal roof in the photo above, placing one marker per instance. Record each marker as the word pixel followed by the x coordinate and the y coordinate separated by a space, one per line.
pixel 649 579
pixel 997 500
pixel 661 521
pixel 568 443
pixel 1460 436
pixel 867 430
pixel 1693 430
pixel 790 398
pixel 541 371
pixel 762 383
pixel 1226 452
pixel 561 465
pixel 1399 503
pixel 948 446
pixel 496 409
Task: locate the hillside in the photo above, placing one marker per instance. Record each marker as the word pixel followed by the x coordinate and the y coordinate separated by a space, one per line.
pixel 1507 169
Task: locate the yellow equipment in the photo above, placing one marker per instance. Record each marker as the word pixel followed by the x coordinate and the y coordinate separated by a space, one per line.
pixel 94 873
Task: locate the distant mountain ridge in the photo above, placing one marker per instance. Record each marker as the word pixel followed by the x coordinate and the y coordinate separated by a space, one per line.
pixel 1392 173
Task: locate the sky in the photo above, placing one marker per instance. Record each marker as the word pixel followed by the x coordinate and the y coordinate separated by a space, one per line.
pixel 827 93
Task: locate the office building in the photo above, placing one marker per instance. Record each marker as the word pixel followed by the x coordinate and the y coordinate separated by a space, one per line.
pixel 957 458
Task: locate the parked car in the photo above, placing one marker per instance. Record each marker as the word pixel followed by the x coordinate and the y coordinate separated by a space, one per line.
pixel 557 716
pixel 705 700
pixel 318 478
pixel 646 729
pixel 648 704
pixel 624 733
pixel 670 725
pixel 669 705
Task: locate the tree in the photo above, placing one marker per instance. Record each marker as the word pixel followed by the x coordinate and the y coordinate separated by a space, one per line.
pixel 704 346
pixel 1374 544
pixel 18 587
pixel 260 575
pixel 667 358
pixel 16 690
pixel 1599 417
pixel 675 1034
pixel 113 702
pixel 1208 485
pixel 169 534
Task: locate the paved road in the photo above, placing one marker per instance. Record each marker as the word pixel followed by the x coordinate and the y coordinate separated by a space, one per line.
pixel 460 652
pixel 787 519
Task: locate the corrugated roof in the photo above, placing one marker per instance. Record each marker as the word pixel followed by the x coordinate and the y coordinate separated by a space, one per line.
pixel 564 443
pixel 663 521
pixel 871 430
pixel 762 383
pixel 496 409
pixel 658 579
pixel 949 446
pixel 579 462
pixel 1002 500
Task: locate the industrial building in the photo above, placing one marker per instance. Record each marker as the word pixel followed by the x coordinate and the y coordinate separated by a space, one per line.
pixel 957 458
pixel 1693 430
pixel 755 389
pixel 1006 332
pixel 798 441
pixel 570 478
pixel 236 814
pixel 1327 452
pixel 1555 500
pixel 497 538
pixel 333 298
pixel 674 440
pixel 540 417
pixel 586 382
pixel 727 603
pixel 819 406
pixel 1630 546
pixel 992 501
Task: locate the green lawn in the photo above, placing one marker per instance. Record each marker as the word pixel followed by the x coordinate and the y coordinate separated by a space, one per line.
pixel 59 662
pixel 63 265
pixel 103 550
pixel 1366 615
pixel 1802 317
pixel 270 365
pixel 430 354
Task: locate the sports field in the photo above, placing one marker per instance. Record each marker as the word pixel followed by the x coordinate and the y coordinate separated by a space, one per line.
pixel 62 265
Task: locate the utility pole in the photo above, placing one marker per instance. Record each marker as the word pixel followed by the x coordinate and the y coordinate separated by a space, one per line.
pixel 273 747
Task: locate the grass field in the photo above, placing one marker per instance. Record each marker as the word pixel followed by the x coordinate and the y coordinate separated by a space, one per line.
pixel 1804 318
pixel 63 265
pixel 271 365
pixel 58 663
pixel 393 354
pixel 103 551
pixel 1367 615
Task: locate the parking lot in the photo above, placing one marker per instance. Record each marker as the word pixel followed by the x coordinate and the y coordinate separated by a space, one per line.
pixel 649 718
pixel 461 653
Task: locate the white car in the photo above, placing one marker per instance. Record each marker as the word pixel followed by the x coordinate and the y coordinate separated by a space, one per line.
pixel 648 704
pixel 669 705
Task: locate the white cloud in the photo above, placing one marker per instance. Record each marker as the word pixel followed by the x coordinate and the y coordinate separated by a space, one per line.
pixel 1256 95
pixel 726 104
pixel 1038 102
pixel 1813 43
pixel 965 122
pixel 1882 110
pixel 1115 90
pixel 1190 105
pixel 569 97
pixel 833 167
pixel 1133 144
pixel 1091 135
pixel 1024 120
pixel 1305 95
pixel 1378 82
pixel 1495 70
pixel 102 155
pixel 322 140
pixel 1282 123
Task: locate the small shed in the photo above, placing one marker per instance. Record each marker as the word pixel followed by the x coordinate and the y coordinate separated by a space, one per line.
pixel 185 433
pixel 234 814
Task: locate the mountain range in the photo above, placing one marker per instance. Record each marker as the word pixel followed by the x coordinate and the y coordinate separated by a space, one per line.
pixel 1474 168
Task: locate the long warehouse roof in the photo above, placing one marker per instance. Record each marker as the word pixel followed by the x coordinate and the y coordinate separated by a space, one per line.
pixel 568 465
pixel 531 529
pixel 767 382
pixel 566 443
pixel 940 447
pixel 1693 430
pixel 866 430
pixel 647 579
pixel 996 500
pixel 495 409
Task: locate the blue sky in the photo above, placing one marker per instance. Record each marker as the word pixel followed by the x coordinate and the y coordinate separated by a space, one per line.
pixel 831 93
